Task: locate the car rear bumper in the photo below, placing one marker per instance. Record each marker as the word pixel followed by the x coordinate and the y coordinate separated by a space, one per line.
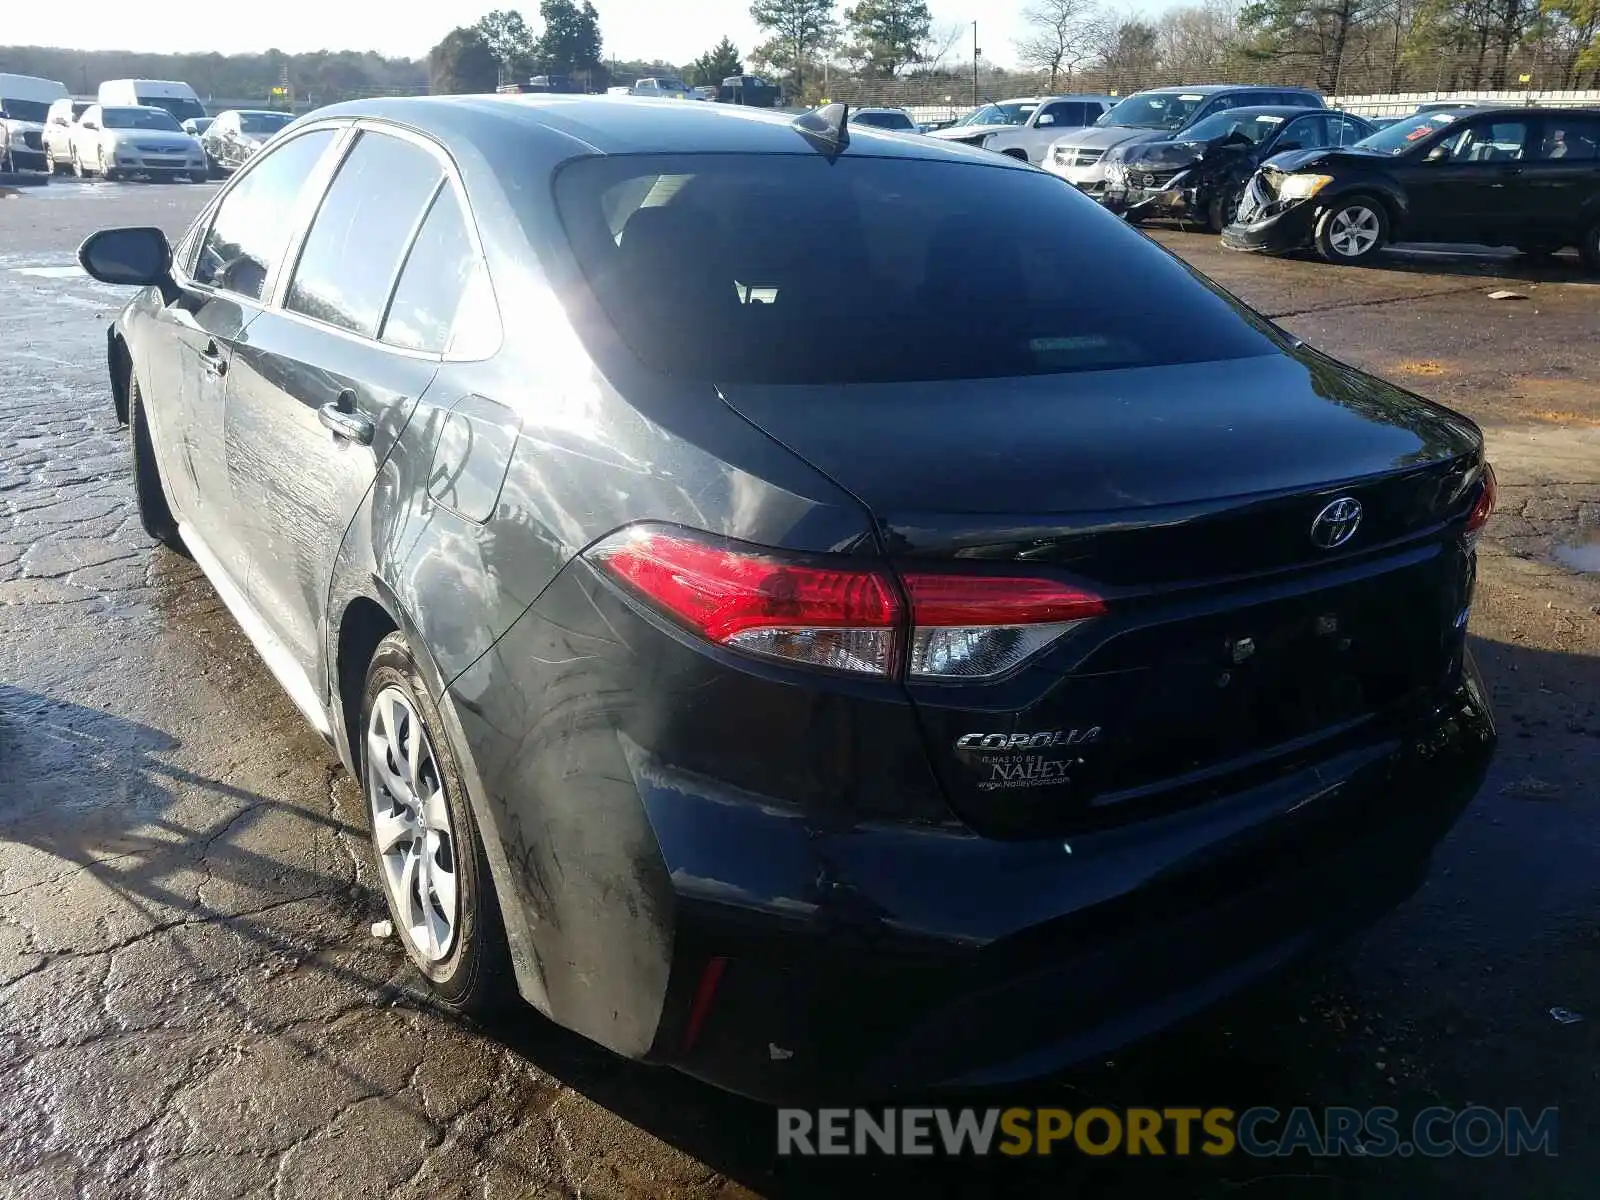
pixel 889 962
pixel 826 928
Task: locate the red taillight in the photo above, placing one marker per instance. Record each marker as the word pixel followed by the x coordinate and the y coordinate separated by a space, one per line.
pixel 843 619
pixel 960 627
pixel 1479 516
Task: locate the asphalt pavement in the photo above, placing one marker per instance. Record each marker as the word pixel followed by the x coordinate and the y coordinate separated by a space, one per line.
pixel 192 1002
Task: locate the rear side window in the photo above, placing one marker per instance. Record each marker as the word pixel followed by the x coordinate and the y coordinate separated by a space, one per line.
pixel 251 229
pixel 788 269
pixel 360 232
pixel 433 280
pixel 1570 139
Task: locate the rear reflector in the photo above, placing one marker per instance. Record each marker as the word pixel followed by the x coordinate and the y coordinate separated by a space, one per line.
pixel 959 628
pixel 972 627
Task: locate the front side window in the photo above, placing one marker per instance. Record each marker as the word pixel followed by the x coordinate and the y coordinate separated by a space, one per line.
pixel 252 224
pixel 436 275
pixel 783 269
pixel 1486 141
pixel 360 232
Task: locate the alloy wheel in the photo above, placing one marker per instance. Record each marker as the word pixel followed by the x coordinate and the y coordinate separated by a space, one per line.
pixel 1354 230
pixel 411 828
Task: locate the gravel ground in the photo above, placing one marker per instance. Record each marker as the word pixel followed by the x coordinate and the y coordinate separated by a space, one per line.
pixel 191 1003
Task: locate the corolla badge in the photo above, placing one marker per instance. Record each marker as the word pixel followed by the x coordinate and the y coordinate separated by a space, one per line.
pixel 1336 524
pixel 1043 740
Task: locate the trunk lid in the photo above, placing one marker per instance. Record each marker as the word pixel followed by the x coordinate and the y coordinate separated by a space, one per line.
pixel 1185 496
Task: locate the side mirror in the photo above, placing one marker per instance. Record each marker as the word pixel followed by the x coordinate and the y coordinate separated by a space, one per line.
pixel 1047 119
pixel 135 257
pixel 1438 154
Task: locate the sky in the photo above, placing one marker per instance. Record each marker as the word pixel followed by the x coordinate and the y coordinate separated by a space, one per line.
pixel 674 30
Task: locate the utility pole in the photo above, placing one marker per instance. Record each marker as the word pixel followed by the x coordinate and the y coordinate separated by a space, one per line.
pixel 975 53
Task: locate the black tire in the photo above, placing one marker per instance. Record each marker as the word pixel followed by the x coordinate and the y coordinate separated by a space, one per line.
pixel 1589 248
pixel 1362 212
pixel 200 177
pixel 78 167
pixel 155 514
pixel 1220 211
pixel 475 975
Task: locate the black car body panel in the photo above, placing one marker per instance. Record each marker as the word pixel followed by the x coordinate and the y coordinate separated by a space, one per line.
pixel 1532 194
pixel 797 880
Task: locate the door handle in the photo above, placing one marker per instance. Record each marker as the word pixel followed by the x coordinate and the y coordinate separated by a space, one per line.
pixel 211 358
pixel 341 419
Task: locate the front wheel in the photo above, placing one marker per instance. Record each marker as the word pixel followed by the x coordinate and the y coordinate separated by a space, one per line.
pixel 431 861
pixel 78 168
pixel 1221 210
pixel 109 174
pixel 155 513
pixel 1352 230
pixel 200 177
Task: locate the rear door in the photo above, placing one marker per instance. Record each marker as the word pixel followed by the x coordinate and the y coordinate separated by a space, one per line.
pixel 1562 174
pixel 332 371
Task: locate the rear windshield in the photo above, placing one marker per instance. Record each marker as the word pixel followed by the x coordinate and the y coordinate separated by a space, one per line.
pixel 791 269
pixel 25 110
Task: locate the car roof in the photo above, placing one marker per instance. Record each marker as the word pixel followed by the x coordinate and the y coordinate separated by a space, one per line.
pixel 256 112
pixel 1211 89
pixel 874 108
pixel 629 125
pixel 1274 110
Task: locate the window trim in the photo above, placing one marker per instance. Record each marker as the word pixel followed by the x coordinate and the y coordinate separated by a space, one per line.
pixel 304 221
pixel 182 268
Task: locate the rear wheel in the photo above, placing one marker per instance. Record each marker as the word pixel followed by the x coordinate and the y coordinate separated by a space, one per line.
pixel 431 862
pixel 155 514
pixel 1589 248
pixel 1353 230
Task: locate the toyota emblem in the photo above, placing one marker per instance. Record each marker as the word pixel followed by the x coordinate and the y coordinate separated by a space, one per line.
pixel 1336 524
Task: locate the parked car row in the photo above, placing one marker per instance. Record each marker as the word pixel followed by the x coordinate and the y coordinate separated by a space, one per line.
pixel 157 128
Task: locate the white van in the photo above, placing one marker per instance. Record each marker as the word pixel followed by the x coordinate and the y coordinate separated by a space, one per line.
pixel 25 102
pixel 177 98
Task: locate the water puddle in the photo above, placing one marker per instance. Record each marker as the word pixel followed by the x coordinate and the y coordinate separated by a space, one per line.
pixel 72 272
pixel 1580 558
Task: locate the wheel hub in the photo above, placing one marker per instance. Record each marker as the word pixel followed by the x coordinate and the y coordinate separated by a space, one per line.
pixel 411 829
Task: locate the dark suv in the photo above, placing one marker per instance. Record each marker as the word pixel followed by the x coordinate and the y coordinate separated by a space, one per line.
pixel 1523 177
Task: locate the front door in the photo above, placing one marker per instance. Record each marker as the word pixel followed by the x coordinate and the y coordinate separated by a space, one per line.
pixel 220 294
pixel 329 376
pixel 1468 185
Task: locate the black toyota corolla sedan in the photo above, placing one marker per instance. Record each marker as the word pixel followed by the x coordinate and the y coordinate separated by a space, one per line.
pixel 830 612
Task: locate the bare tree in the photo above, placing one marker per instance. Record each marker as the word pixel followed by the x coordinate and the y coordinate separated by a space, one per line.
pixel 1060 39
pixel 941 40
